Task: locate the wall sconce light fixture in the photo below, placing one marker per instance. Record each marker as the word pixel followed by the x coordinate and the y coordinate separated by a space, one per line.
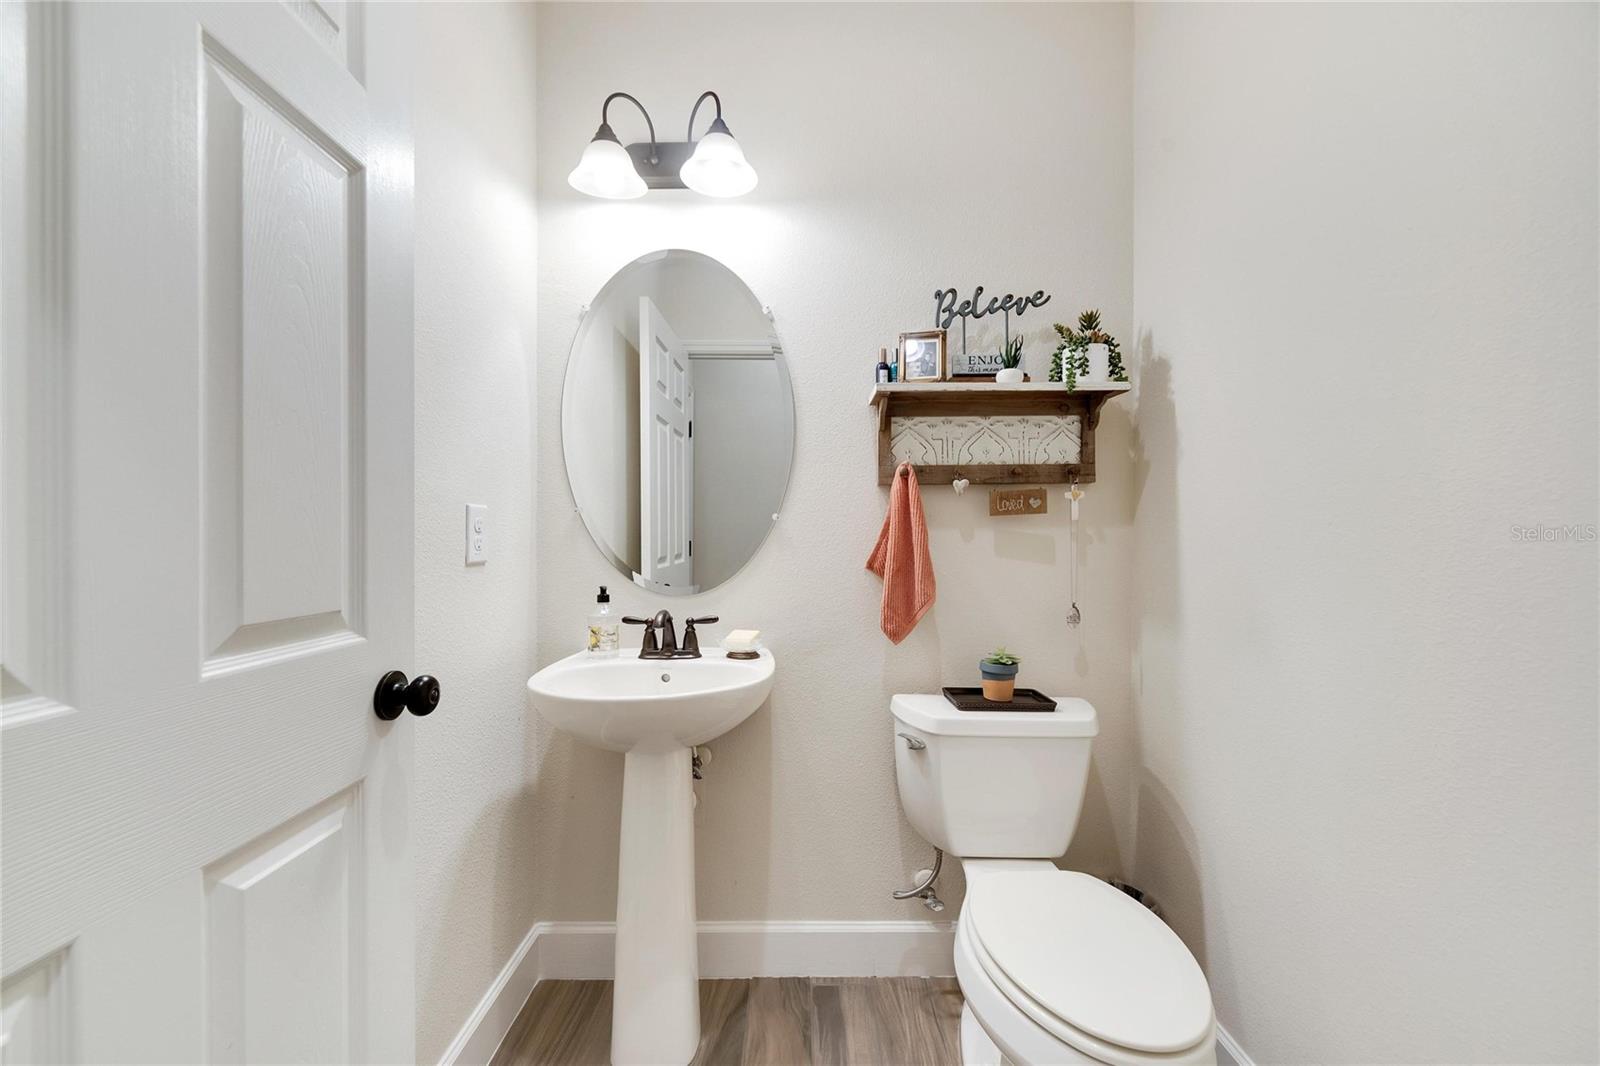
pixel 712 166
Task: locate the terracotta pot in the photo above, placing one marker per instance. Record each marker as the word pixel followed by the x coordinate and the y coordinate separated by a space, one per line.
pixel 998 690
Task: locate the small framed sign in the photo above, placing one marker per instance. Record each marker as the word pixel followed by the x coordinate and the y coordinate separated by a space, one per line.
pixel 975 365
pixel 1004 503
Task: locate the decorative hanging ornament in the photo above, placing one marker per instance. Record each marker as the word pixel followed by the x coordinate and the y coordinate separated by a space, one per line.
pixel 1074 494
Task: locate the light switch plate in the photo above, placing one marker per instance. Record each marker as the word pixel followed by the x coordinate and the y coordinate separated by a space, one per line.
pixel 477 533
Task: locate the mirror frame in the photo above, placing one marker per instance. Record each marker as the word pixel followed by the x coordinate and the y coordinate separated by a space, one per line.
pixel 568 402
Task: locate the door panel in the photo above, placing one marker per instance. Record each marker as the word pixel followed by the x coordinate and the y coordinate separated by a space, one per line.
pixel 283 318
pixel 33 372
pixel 336 25
pixel 283 953
pixel 666 487
pixel 206 828
pixel 34 1014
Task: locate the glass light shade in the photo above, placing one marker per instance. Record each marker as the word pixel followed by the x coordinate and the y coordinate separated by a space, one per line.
pixel 606 170
pixel 718 167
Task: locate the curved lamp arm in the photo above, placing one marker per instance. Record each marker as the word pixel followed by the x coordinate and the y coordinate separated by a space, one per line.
pixel 605 125
pixel 696 110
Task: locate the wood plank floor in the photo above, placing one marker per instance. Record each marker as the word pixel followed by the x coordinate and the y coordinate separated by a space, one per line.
pixel 759 1021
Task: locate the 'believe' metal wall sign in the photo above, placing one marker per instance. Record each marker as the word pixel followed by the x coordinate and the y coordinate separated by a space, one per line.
pixel 946 309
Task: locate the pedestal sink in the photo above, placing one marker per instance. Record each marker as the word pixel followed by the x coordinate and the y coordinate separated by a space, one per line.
pixel 654 711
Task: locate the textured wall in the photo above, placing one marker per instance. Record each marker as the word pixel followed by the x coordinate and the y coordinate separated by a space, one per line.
pixel 1366 302
pixel 475 398
pixel 901 149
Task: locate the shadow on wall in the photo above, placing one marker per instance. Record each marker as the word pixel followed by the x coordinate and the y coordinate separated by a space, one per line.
pixel 1102 842
pixel 1094 845
pixel 1165 856
pixel 1165 863
pixel 1152 487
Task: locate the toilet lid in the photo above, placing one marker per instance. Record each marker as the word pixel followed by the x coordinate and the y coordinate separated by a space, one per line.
pixel 1094 958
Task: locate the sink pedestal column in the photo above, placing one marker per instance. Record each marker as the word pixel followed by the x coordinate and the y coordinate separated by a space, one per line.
pixel 656 1008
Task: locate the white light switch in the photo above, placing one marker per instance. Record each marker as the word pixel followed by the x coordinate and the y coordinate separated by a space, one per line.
pixel 477 533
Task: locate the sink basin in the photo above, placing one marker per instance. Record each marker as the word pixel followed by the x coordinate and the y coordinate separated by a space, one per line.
pixel 654 711
pixel 657 704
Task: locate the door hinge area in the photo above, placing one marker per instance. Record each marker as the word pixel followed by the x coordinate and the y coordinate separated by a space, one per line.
pixel 691 548
pixel 691 429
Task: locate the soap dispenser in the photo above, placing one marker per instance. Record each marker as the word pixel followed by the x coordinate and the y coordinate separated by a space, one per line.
pixel 605 630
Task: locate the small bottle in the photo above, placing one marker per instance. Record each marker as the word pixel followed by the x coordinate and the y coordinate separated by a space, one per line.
pixel 883 366
pixel 605 632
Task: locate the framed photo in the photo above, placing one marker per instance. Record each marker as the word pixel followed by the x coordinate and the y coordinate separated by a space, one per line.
pixel 922 355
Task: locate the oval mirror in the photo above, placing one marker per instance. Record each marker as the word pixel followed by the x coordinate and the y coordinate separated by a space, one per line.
pixel 677 422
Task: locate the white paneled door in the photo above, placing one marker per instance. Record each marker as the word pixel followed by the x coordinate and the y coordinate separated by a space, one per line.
pixel 207 550
pixel 666 440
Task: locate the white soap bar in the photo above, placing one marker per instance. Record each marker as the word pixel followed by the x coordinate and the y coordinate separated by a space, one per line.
pixel 741 640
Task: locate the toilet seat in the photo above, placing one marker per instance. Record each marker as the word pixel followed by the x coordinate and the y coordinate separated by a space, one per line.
pixel 1087 965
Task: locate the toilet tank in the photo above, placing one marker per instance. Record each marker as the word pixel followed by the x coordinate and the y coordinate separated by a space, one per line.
pixel 992 784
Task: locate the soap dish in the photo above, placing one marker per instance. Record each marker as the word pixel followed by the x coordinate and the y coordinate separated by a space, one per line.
pixel 743 654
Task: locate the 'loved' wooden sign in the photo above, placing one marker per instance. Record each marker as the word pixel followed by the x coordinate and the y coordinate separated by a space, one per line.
pixel 1005 502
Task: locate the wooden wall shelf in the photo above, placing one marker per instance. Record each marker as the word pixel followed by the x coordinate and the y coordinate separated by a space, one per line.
pixel 991 434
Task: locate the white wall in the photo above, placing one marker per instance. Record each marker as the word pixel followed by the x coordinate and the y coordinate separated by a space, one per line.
pixel 1366 304
pixel 884 176
pixel 475 397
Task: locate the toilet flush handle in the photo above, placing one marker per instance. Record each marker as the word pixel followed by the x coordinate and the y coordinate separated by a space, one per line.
pixel 914 743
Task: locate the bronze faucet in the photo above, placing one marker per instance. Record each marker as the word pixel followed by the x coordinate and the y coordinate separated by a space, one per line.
pixel 661 637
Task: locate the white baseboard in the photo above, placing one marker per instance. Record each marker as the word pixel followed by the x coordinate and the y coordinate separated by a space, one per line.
pixel 491 1019
pixel 585 951
pixel 578 951
pixel 827 949
pixel 1229 1053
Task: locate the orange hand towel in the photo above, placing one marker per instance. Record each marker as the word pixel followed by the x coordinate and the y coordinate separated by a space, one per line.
pixel 901 558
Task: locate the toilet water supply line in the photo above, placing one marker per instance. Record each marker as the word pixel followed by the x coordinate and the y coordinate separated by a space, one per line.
pixel 923 889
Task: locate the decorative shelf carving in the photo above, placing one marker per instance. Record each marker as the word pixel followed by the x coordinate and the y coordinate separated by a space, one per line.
pixel 1032 433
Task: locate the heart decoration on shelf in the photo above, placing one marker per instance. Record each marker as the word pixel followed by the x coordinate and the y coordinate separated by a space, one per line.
pixel 960 485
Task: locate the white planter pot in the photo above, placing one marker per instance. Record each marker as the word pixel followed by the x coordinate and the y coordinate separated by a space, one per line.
pixel 1099 363
pixel 1011 375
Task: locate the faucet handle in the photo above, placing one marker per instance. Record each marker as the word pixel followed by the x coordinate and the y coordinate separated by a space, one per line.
pixel 691 639
pixel 650 644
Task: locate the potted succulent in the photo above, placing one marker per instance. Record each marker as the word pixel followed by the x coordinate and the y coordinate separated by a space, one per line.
pixel 1088 352
pixel 1010 363
pixel 999 671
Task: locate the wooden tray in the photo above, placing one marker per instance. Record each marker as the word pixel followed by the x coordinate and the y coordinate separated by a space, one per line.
pixel 1023 699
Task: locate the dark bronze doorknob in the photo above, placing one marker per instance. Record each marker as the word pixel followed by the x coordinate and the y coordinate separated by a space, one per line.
pixel 394 695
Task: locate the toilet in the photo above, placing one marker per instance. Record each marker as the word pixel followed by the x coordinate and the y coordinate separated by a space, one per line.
pixel 1055 966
